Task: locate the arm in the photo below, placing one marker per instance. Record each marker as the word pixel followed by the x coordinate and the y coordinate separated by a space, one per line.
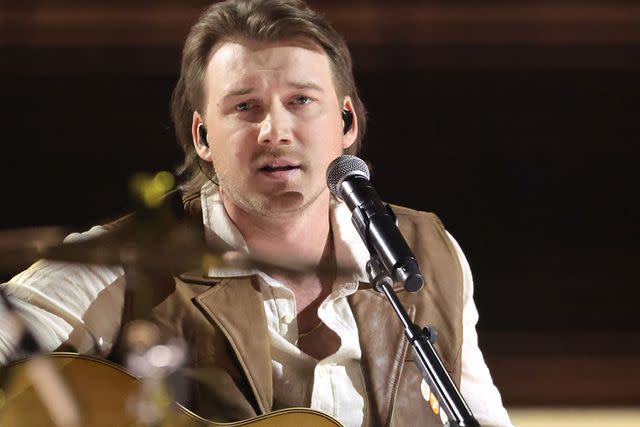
pixel 476 384
pixel 57 301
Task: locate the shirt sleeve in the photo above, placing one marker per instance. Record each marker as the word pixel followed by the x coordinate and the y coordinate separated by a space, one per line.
pixel 476 384
pixel 59 302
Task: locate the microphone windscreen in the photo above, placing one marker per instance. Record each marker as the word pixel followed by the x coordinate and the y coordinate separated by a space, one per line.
pixel 343 167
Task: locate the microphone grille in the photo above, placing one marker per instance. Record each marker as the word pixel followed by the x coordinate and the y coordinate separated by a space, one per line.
pixel 343 167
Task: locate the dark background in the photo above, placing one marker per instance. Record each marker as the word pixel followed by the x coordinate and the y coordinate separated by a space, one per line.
pixel 515 122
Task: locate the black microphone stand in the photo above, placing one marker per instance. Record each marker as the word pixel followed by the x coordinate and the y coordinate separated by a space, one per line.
pixel 427 360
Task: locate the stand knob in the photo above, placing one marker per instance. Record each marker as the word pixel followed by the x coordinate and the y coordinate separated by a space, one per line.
pixel 431 333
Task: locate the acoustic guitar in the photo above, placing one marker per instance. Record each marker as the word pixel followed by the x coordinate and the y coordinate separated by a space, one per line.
pixel 102 392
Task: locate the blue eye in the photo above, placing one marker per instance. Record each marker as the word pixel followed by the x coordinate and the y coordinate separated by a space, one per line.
pixel 302 100
pixel 243 106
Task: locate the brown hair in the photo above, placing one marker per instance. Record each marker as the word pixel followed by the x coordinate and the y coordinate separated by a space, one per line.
pixel 261 20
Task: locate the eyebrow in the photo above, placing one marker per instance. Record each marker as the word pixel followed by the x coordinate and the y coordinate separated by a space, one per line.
pixel 238 92
pixel 304 85
pixel 296 84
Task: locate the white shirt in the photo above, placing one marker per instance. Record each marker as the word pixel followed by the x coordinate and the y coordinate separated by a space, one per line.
pixel 54 298
pixel 333 385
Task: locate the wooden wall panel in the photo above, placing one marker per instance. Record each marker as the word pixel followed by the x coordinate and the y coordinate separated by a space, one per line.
pixel 40 23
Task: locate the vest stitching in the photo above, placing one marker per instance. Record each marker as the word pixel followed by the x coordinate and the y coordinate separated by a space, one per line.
pixel 401 361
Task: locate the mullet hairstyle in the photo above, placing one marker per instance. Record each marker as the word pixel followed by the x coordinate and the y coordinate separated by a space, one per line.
pixel 259 20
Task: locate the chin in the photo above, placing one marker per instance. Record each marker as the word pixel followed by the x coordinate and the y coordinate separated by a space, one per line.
pixel 276 199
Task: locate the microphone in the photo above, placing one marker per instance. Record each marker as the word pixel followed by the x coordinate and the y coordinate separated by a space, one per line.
pixel 348 179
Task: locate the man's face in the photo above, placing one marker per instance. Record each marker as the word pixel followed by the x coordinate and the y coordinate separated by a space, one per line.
pixel 274 124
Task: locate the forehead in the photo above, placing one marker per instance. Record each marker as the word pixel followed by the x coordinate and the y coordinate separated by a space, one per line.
pixel 247 63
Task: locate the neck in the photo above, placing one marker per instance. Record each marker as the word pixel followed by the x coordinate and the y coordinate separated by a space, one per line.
pixel 299 236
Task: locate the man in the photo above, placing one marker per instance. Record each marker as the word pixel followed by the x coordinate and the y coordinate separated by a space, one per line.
pixel 265 101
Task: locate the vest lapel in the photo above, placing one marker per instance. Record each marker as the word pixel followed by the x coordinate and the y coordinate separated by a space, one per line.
pixel 384 351
pixel 235 306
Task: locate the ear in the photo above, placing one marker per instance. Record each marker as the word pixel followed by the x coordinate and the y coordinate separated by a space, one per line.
pixel 201 148
pixel 350 137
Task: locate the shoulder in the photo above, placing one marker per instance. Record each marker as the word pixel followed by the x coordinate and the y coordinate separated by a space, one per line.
pixel 427 237
pixel 181 205
pixel 416 215
pixel 411 221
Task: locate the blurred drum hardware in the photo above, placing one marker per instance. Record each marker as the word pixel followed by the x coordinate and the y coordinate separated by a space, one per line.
pixel 172 246
pixel 71 390
pixel 20 247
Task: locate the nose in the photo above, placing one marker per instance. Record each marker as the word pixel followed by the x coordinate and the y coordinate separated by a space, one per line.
pixel 275 129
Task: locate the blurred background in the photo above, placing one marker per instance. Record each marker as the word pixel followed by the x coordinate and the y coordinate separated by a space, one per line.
pixel 515 122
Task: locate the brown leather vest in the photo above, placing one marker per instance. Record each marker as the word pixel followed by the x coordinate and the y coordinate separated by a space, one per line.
pixel 224 324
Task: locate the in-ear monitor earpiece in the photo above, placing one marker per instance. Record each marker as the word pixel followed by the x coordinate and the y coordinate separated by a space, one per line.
pixel 347 118
pixel 202 132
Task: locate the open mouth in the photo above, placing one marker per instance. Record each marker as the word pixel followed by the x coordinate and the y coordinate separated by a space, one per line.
pixel 275 168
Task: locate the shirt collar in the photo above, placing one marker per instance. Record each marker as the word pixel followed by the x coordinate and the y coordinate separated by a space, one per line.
pixel 351 252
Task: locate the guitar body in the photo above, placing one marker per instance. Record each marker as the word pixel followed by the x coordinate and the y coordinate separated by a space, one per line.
pixel 103 392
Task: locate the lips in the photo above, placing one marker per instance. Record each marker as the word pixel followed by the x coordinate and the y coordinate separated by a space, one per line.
pixel 278 165
pixel 274 168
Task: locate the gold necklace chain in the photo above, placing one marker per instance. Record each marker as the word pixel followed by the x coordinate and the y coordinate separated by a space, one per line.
pixel 304 334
